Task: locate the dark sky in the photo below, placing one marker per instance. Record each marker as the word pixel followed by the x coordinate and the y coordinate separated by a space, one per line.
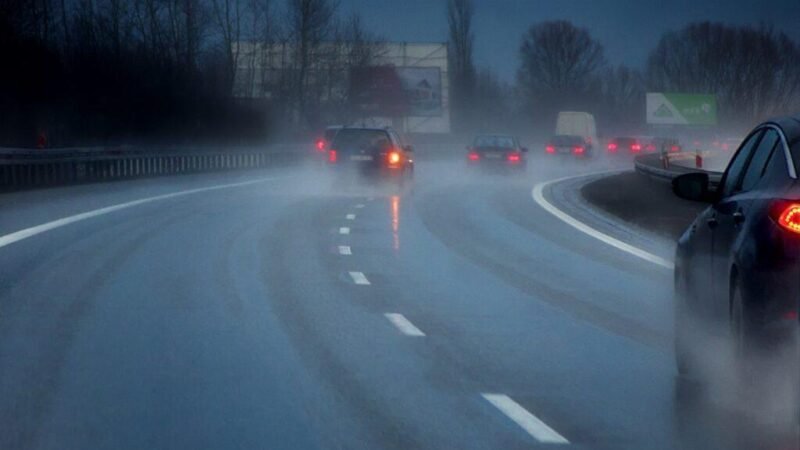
pixel 628 29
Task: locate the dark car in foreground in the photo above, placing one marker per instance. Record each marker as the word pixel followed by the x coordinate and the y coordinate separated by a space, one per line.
pixel 737 268
pixel 567 145
pixel 371 152
pixel 497 151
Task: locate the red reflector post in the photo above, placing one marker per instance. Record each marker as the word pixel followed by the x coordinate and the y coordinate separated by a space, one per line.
pixel 321 145
pixel 333 156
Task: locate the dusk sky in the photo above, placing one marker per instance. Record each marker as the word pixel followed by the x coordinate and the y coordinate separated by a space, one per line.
pixel 628 29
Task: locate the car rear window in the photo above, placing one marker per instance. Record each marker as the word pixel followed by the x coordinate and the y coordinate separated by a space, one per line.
pixel 567 140
pixel 623 141
pixel 349 141
pixel 494 141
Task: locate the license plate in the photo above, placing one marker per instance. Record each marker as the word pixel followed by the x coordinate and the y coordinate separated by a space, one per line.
pixel 493 155
pixel 361 158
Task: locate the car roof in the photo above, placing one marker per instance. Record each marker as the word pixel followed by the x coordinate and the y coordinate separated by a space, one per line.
pixel 790 126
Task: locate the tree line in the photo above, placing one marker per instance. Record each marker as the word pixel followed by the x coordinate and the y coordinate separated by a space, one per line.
pixel 753 71
pixel 87 72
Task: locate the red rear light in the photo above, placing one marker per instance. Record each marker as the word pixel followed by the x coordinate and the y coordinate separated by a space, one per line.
pixel 612 147
pixel 578 150
pixel 550 149
pixel 321 145
pixel 514 157
pixel 787 215
pixel 473 156
pixel 333 156
pixel 393 157
pixel 636 147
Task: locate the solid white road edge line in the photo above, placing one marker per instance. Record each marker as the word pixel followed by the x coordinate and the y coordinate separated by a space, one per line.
pixel 538 197
pixel 351 217
pixel 359 278
pixel 404 325
pixel 344 230
pixel 530 423
pixel 345 250
pixel 49 226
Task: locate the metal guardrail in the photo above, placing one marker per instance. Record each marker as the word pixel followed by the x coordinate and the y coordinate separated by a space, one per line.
pixel 20 169
pixel 653 165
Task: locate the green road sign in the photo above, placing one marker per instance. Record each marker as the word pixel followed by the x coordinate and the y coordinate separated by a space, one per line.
pixel 681 109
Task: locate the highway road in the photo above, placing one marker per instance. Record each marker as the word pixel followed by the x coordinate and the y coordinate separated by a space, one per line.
pixel 281 310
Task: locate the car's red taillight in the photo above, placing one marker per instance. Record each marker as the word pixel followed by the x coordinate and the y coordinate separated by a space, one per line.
pixel 550 149
pixel 579 150
pixel 473 156
pixel 612 147
pixel 636 148
pixel 787 215
pixel 333 156
pixel 393 157
pixel 514 158
pixel 321 145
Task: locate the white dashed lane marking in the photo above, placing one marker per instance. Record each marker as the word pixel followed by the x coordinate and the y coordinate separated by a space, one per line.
pixel 345 250
pixel 351 217
pixel 359 278
pixel 404 325
pixel 530 423
pixel 359 206
pixel 344 230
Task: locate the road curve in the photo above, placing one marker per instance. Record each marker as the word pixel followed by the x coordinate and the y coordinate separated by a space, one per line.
pixel 283 309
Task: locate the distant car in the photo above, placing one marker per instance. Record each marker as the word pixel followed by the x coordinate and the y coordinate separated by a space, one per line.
pixel 663 145
pixel 379 152
pixel 572 123
pixel 737 268
pixel 497 151
pixel 726 144
pixel 570 145
pixel 323 142
pixel 625 145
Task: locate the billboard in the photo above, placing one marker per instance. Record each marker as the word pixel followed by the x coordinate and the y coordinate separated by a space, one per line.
pixel 397 91
pixel 681 109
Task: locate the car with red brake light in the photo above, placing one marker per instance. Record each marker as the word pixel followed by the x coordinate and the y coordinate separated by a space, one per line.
pixel 568 145
pixel 323 142
pixel 737 267
pixel 371 152
pixel 495 150
pixel 626 145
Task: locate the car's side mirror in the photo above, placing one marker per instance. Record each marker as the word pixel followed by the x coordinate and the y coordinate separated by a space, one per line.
pixel 693 187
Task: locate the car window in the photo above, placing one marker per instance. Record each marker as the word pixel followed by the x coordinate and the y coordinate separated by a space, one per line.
pixel 354 140
pixel 494 141
pixel 758 161
pixel 567 140
pixel 734 172
pixel 776 170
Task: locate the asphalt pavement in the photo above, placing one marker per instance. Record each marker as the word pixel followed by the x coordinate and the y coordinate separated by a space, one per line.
pixel 284 309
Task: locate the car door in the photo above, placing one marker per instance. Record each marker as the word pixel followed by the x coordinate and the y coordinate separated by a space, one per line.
pixel 731 212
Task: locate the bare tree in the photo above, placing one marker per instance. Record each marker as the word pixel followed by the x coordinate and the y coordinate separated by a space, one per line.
pixel 310 23
pixel 622 93
pixel 228 18
pixel 753 72
pixel 462 69
pixel 560 65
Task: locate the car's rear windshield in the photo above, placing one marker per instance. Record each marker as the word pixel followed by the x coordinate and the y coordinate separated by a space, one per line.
pixel 567 140
pixel 494 141
pixel 348 141
pixel 624 141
